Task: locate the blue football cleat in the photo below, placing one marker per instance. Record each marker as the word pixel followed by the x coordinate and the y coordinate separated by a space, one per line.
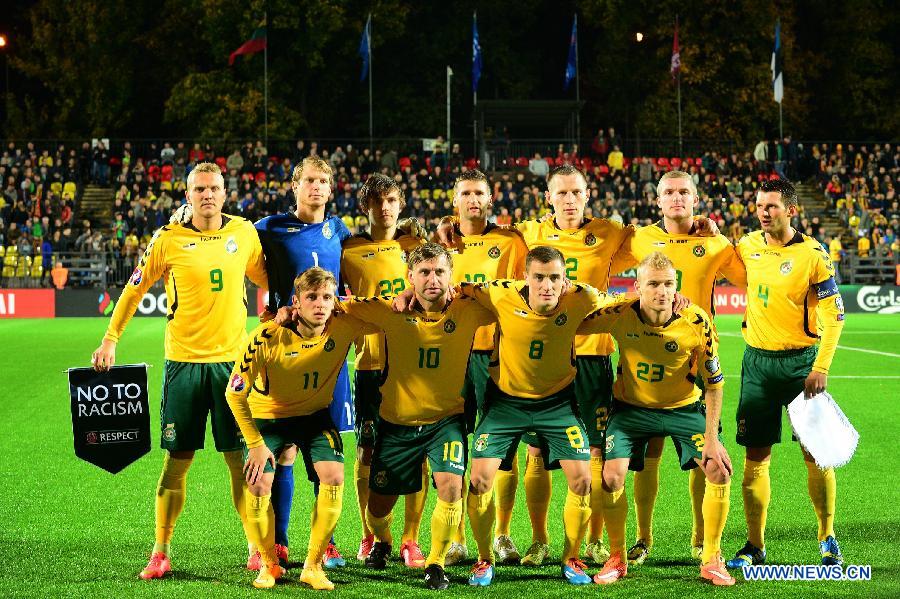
pixel 831 552
pixel 332 558
pixel 749 555
pixel 573 572
pixel 482 574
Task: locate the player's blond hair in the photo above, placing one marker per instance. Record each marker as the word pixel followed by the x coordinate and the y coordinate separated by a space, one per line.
pixel 204 167
pixel 677 175
pixel 313 278
pixel 655 261
pixel 312 163
pixel 428 251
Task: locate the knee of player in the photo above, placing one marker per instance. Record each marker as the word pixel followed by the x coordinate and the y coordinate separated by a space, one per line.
pixel 288 455
pixel 581 484
pixel 450 490
pixel 332 479
pixel 479 483
pixel 715 474
pixel 613 480
pixel 263 486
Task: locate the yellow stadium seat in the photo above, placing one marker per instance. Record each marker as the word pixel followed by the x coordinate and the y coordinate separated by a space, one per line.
pixel 425 194
pixel 22 269
pixel 165 186
pixel 70 188
pixel 2 250
pixel 37 269
pixel 56 187
pixel 12 250
pixel 9 271
pixel 10 260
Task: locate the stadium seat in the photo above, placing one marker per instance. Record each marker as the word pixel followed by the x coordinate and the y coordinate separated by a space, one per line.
pixel 2 251
pixel 9 271
pixel 37 270
pixel 404 162
pixel 471 163
pixel 604 170
pixel 662 162
pixel 675 162
pixel 10 260
pixel 165 185
pixel 12 250
pixel 222 164
pixel 522 162
pixel 166 173
pixel 70 188
pixel 56 187
pixel 586 164
pixel 626 163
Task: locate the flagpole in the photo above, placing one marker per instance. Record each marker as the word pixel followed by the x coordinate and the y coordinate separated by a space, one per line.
pixel 449 75
pixel 577 91
pixel 266 84
pixel 369 48
pixel 678 80
pixel 475 98
pixel 780 122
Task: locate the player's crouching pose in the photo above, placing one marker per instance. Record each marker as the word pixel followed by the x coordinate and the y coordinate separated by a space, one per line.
pixel 660 355
pixel 279 393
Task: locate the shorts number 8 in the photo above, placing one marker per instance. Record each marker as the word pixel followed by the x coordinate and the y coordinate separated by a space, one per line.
pixel 576 440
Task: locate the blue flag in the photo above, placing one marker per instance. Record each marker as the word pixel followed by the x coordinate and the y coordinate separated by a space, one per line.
pixel 571 65
pixel 476 55
pixel 365 49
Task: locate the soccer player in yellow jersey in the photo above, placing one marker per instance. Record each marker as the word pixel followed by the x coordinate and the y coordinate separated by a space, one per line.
pixel 203 263
pixel 484 252
pixel 661 354
pixel 793 301
pixel 279 393
pixel 421 413
pixel 532 390
pixel 698 261
pixel 374 263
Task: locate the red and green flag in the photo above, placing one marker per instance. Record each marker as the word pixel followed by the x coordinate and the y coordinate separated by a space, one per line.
pixel 256 43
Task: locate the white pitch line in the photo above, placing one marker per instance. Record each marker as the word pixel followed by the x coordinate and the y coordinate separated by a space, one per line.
pixel 843 376
pixel 870 351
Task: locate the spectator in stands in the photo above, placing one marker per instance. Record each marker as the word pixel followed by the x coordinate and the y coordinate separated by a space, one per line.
pixel 46 260
pixel 235 162
pixel 616 160
pixel 101 164
pixel 60 275
pixel 167 154
pixel 538 167
pixel 600 145
pixel 863 246
pixel 25 245
pixel 439 153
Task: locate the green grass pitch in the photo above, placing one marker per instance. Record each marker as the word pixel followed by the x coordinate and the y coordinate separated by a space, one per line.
pixel 72 530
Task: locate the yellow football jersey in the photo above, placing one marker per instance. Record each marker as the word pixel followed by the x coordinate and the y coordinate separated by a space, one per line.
pixel 371 268
pixel 699 261
pixel 791 296
pixel 535 356
pixel 282 374
pixel 205 290
pixel 426 357
pixel 659 364
pixel 495 254
pixel 588 251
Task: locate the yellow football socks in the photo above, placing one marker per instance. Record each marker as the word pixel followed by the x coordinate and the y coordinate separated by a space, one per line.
pixel 538 488
pixel 261 526
pixel 170 495
pixel 715 512
pixel 595 533
pixel 823 492
pixel 323 521
pixel 361 476
pixel 444 522
pixel 505 484
pixel 615 510
pixel 481 512
pixel 757 490
pixel 380 527
pixel 576 513
pixel 646 487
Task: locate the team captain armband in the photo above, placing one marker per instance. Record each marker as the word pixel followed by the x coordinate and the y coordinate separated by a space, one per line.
pixel 716 379
pixel 826 288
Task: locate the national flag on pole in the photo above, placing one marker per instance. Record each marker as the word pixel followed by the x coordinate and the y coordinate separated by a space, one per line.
pixel 777 80
pixel 476 54
pixel 365 48
pixel 676 54
pixel 256 43
pixel 572 64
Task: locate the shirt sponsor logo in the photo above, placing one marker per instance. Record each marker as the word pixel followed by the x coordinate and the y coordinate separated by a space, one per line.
pixel 237 383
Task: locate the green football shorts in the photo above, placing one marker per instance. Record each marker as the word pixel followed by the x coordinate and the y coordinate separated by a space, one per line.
pixel 630 427
pixel 314 435
pixel 190 391
pixel 473 388
pixel 368 402
pixel 399 452
pixel 770 380
pixel 553 420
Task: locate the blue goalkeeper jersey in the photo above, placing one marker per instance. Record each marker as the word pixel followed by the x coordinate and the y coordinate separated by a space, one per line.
pixel 291 246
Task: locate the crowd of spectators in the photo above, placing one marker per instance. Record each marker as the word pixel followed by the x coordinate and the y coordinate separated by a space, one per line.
pixel 38 210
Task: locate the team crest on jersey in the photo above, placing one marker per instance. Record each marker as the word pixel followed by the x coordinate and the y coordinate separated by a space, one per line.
pixel 561 320
pixel 329 345
pixel 712 365
pixel 237 383
pixel 327 233
pixel 839 303
pixel 494 252
pixel 169 432
pixel 671 346
pixel 136 277
pixel 699 251
pixel 449 326
pixel 589 239
pixel 610 442
pixel 786 267
pixel 381 478
pixel 481 442
pixel 231 245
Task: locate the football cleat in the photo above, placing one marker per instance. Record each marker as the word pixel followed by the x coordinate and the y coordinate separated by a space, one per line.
pixel 281 552
pixel 332 558
pixel 435 578
pixel 831 552
pixel 715 572
pixel 697 552
pixel 482 574
pixel 506 550
pixel 412 555
pixel 614 569
pixel 638 553
pixel 597 552
pixel 267 576
pixel 573 572
pixel 365 546
pixel 254 561
pixel 377 558
pixel 536 554
pixel 749 555
pixel 157 567
pixel 456 554
pixel 315 578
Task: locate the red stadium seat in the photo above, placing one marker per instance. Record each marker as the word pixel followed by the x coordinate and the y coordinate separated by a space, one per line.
pixel 521 161
pixel 260 178
pixel 222 162
pixel 662 162
pixel 471 163
pixel 153 171
pixel 604 170
pixel 586 164
pixel 626 163
pixel 675 162
pixel 404 162
pixel 166 173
